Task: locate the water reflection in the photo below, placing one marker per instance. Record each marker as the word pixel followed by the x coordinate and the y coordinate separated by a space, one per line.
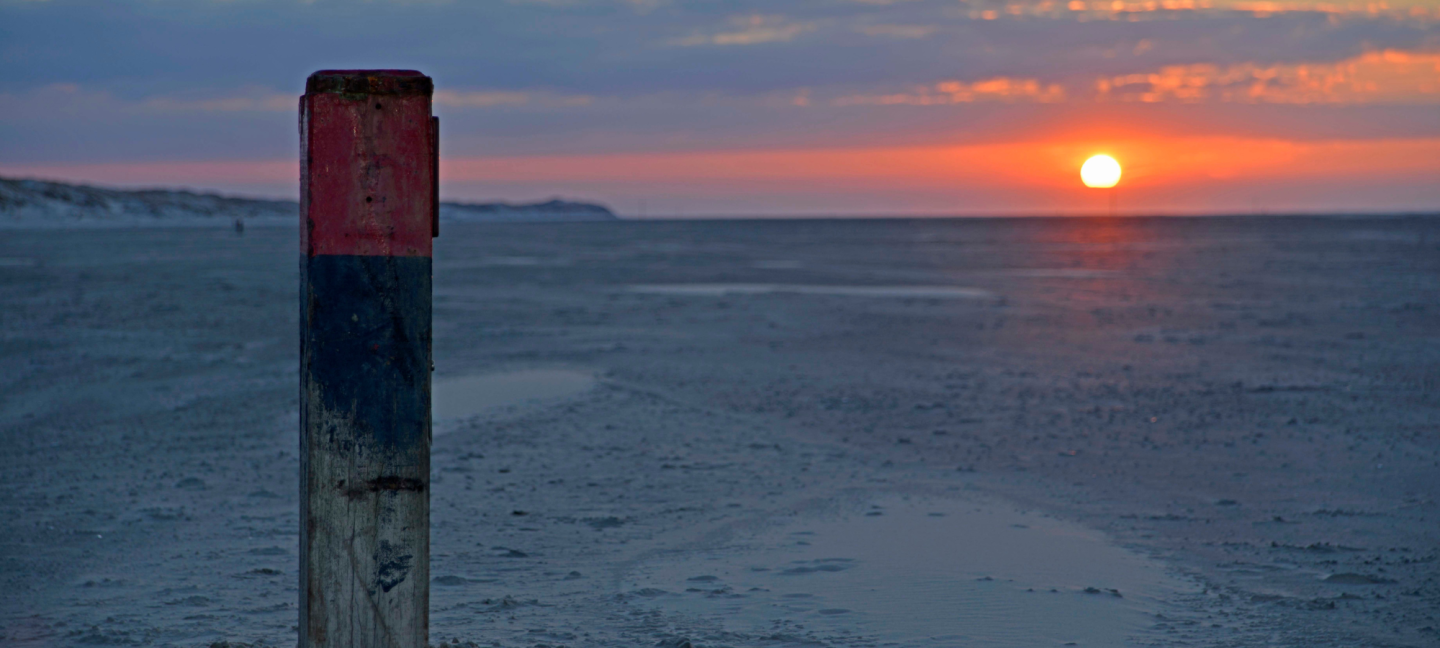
pixel 919 572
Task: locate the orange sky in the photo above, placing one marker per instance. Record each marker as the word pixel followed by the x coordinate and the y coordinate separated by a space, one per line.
pixel 1154 162
pixel 1034 176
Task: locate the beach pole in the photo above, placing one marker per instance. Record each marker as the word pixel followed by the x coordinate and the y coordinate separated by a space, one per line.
pixel 368 212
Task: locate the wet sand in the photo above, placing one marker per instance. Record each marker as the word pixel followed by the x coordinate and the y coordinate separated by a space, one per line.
pixel 462 397
pixel 1245 407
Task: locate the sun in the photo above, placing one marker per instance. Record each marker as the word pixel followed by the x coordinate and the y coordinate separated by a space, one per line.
pixel 1100 172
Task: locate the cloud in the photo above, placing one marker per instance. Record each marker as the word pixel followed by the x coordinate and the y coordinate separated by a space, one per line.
pixel 899 31
pixel 957 92
pixel 258 100
pixel 1133 10
pixel 645 6
pixel 498 98
pixel 69 99
pixel 1389 77
pixel 480 99
pixel 72 99
pixel 753 29
pixel 1392 8
pixel 48 100
pixel 1386 77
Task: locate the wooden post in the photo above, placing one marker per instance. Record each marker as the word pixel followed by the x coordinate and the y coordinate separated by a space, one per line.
pixel 367 216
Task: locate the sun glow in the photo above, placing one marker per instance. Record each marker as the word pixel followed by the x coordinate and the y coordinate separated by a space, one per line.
pixel 1100 172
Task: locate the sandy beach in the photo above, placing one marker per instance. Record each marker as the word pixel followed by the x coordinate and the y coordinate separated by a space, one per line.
pixel 982 432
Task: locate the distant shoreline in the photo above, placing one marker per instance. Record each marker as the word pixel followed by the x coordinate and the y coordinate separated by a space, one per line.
pixel 42 204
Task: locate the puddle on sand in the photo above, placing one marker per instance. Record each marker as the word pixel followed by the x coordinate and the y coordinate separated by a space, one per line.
pixel 918 572
pixel 464 396
pixel 723 290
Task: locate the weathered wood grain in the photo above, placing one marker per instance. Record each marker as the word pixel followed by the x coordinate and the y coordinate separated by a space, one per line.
pixel 366 228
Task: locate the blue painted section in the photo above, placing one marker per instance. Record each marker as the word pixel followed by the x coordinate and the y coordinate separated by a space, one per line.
pixel 365 340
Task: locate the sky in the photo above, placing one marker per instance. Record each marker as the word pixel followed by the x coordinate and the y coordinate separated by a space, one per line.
pixel 761 107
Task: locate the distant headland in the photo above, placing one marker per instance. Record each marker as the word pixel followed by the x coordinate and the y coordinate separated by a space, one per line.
pixel 41 203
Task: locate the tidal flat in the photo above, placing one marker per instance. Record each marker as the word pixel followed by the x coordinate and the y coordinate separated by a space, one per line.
pixel 962 432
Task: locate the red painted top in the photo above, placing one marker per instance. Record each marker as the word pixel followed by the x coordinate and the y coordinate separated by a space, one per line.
pixel 366 165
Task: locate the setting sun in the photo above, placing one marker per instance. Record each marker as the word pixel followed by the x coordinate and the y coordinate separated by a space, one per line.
pixel 1100 172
